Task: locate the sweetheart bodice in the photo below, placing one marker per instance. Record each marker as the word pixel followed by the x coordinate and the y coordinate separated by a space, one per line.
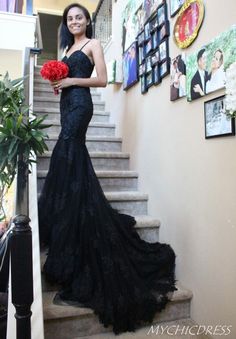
pixel 79 65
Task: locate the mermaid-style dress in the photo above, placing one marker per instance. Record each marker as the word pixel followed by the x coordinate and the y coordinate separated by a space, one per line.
pixel 94 252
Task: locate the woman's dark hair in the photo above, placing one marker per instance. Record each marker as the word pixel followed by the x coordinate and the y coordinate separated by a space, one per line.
pixel 66 38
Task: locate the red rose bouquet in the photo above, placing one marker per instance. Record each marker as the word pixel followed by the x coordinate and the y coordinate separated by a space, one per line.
pixel 54 70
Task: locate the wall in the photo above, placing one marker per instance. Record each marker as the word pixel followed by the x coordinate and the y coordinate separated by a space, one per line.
pixel 57 6
pixel 191 181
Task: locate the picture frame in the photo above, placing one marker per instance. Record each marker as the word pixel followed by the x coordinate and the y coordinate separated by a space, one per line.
pixel 130 66
pixel 155 4
pixel 155 40
pixel 220 53
pixel 141 56
pixel 164 31
pixel 142 69
pixel 149 79
pixel 141 38
pixel 163 50
pixel 188 23
pixel 147 31
pixel 162 14
pixel 148 47
pixel 155 58
pixel 217 123
pixel 164 68
pixel 153 24
pixel 148 64
pixel 156 74
pixel 178 77
pixel 143 84
pixel 175 6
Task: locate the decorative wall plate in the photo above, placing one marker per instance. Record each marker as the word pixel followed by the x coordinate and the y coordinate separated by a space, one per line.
pixel 188 23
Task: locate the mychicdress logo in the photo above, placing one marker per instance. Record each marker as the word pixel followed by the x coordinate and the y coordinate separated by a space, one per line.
pixel 193 330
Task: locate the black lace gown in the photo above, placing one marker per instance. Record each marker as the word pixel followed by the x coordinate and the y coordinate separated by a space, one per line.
pixel 94 252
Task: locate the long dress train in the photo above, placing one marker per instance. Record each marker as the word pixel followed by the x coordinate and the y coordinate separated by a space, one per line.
pixel 94 252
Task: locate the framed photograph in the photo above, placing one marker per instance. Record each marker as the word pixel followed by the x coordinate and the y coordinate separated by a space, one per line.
pixel 142 69
pixel 212 59
pixel 148 63
pixel 163 50
pixel 178 77
pixel 217 123
pixel 130 66
pixel 156 75
pixel 141 38
pixel 155 58
pixel 164 68
pixel 148 47
pixel 143 84
pixel 175 6
pixel 141 56
pixel 164 31
pixel 188 23
pixel 153 24
pixel 155 4
pixel 147 31
pixel 149 79
pixel 154 38
pixel 162 14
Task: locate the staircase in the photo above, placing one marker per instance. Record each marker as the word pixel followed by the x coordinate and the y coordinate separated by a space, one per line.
pixel 121 189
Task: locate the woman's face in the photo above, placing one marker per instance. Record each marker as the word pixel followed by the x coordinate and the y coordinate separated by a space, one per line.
pixel 217 60
pixel 76 21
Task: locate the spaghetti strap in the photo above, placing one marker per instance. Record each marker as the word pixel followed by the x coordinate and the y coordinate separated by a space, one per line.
pixel 85 44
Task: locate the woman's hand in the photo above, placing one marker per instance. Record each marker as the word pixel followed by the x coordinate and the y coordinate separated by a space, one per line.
pixel 63 83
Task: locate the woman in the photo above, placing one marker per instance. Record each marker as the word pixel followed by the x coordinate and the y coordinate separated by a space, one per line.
pixel 94 252
pixel 216 78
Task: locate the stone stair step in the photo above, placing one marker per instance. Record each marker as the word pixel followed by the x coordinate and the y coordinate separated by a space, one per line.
pixel 163 330
pixel 130 202
pixel 42 83
pixel 54 101
pixel 54 114
pixel 100 160
pixel 109 180
pixel 93 143
pixel 78 321
pixel 94 128
pixel 47 91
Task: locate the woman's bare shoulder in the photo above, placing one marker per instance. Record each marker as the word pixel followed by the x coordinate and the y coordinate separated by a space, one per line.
pixel 95 42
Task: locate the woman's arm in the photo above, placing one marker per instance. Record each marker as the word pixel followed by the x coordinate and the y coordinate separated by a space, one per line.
pixel 99 81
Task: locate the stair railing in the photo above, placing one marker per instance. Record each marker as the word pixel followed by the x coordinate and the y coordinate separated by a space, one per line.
pixel 19 247
pixel 102 21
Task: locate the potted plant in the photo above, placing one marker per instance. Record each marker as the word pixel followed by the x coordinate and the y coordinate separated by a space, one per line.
pixel 20 136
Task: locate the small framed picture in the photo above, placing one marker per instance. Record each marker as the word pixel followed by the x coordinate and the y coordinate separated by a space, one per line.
pixel 147 31
pixel 163 50
pixel 149 79
pixel 156 74
pixel 154 38
pixel 217 123
pixel 155 58
pixel 153 24
pixel 164 31
pixel 175 6
pixel 130 66
pixel 148 67
pixel 142 69
pixel 143 84
pixel 164 68
pixel 141 54
pixel 141 38
pixel 162 14
pixel 148 47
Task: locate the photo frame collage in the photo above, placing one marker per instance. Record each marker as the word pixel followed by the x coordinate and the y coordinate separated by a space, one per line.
pixel 153 48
